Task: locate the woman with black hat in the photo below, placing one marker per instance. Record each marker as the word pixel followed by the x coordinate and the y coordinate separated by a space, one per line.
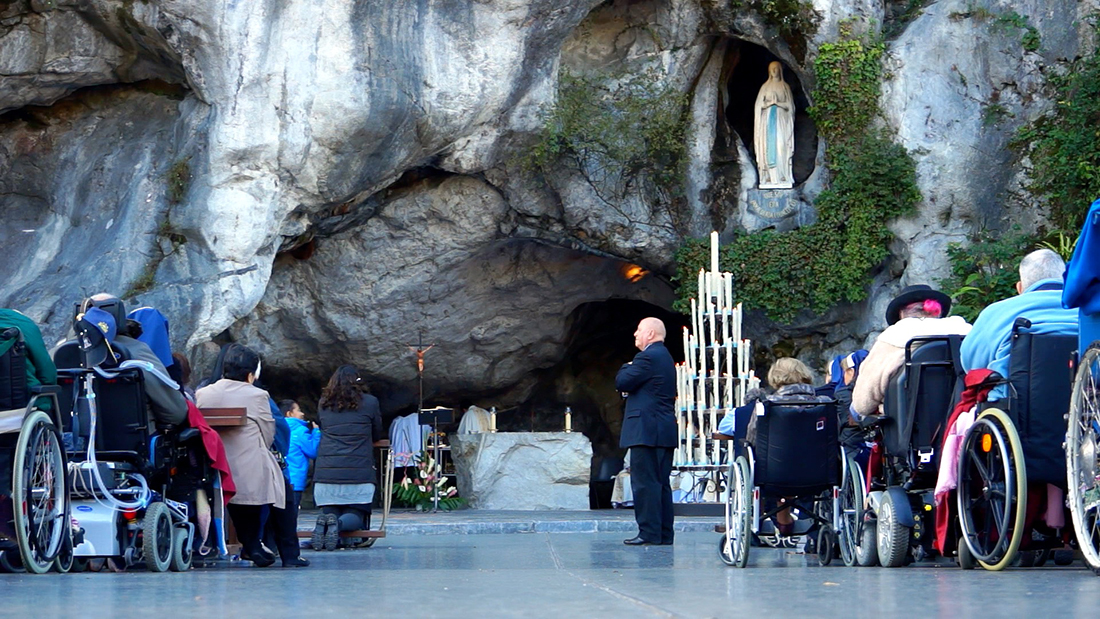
pixel 918 311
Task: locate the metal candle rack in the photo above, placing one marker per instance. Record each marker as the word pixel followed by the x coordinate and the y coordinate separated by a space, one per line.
pixel 715 375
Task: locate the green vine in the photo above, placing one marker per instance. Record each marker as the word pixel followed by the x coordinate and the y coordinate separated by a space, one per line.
pixel 619 133
pixel 1064 146
pixel 873 181
pixel 790 17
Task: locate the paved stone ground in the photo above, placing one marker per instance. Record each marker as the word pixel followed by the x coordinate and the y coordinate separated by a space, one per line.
pixel 554 575
pixel 472 521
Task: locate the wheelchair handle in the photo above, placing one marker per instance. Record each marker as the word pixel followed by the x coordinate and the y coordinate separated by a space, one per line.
pixel 924 339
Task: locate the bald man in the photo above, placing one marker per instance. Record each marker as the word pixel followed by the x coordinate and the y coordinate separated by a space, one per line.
pixel 649 431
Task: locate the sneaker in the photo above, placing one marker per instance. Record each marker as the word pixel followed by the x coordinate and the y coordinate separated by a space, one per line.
pixel 332 532
pixel 317 540
pixel 299 562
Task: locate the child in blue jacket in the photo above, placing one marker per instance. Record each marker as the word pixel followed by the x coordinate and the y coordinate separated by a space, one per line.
pixel 303 447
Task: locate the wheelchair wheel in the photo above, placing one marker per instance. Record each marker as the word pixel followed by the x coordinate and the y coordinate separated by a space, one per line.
pixel 992 490
pixel 867 550
pixel 893 536
pixel 11 562
pixel 156 537
pixel 65 561
pixel 182 552
pixel 1083 456
pixel 734 548
pixel 826 545
pixel 965 559
pixel 39 492
pixel 851 511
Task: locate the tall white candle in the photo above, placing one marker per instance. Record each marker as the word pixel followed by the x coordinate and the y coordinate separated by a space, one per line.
pixel 714 252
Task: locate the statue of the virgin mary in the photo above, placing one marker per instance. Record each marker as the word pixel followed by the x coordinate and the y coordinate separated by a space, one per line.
pixel 774 131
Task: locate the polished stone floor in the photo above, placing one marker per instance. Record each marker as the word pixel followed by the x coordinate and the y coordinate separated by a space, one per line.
pixel 554 575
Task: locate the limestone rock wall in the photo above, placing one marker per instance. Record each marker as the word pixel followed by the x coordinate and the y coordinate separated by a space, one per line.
pixel 331 180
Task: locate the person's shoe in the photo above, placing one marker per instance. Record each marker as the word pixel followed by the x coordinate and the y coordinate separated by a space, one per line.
pixel 299 562
pixel 666 542
pixel 317 540
pixel 262 559
pixel 638 541
pixel 332 532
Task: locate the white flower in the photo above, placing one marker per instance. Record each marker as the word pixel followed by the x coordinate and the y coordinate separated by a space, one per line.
pixel 422 488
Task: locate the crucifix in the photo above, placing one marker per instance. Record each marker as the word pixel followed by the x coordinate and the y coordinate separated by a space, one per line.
pixel 419 349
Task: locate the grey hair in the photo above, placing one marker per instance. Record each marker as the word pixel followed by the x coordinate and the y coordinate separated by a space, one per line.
pixel 1039 265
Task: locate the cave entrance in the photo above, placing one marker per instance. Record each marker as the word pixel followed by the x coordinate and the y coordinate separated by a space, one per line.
pixel 744 72
pixel 600 341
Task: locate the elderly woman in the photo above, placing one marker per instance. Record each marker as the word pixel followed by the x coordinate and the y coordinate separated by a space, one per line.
pixel 792 381
pixel 917 311
pixel 256 472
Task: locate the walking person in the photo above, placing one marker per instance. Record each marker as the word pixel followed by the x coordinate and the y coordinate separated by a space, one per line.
pixel 649 431
pixel 344 479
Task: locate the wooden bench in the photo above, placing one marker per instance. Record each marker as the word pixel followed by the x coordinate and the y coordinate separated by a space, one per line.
pixel 224 417
pixel 718 436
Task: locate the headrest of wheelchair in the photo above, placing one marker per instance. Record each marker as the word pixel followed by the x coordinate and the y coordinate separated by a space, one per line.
pixel 110 304
pixel 95 330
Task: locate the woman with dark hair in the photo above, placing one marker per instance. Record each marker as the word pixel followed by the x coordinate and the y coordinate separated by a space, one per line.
pixel 182 369
pixel 256 472
pixel 344 478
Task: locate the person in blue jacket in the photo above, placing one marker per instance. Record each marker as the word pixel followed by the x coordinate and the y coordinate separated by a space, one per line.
pixel 1083 279
pixel 1039 300
pixel 304 439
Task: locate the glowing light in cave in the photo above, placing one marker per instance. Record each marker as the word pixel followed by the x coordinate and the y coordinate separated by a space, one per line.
pixel 633 272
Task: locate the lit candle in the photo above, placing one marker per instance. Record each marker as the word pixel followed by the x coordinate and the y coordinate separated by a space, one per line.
pixel 714 252
pixel 493 419
pixel 568 419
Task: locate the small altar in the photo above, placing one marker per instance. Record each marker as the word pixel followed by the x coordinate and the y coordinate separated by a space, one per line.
pixel 523 470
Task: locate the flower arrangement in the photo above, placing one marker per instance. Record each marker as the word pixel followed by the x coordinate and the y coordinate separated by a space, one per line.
pixel 417 489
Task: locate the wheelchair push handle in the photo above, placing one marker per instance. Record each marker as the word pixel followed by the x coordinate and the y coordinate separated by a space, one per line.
pixel 925 339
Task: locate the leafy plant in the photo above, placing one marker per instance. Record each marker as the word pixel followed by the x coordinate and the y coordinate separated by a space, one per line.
pixel 1062 243
pixel 985 270
pixel 790 17
pixel 418 489
pixel 619 132
pixel 1064 146
pixel 178 179
pixel 874 181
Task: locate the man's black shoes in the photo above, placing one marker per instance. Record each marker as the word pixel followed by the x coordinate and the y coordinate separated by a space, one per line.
pixel 638 541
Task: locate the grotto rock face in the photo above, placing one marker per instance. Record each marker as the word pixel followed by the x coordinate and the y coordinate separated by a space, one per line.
pixel 332 180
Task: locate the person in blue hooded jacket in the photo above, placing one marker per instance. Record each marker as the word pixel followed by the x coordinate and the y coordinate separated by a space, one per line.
pixel 1039 300
pixel 304 439
pixel 1083 279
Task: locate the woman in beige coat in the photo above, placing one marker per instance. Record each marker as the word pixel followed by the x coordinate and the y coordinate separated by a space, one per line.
pixel 256 473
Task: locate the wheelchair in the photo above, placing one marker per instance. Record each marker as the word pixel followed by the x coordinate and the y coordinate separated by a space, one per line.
pixel 794 440
pixel 1083 456
pixel 30 434
pixel 899 520
pixel 131 484
pixel 1016 445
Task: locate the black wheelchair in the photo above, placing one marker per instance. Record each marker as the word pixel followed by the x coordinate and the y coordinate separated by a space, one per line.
pixel 797 462
pixel 899 520
pixel 1016 445
pixel 131 483
pixel 32 467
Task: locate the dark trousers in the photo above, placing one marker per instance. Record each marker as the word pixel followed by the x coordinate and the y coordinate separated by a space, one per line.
pixel 281 528
pixel 650 468
pixel 350 517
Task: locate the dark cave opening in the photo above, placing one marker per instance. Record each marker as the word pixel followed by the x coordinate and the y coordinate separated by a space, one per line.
pixel 745 72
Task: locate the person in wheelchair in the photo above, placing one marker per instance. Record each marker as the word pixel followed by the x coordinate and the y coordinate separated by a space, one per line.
pixel 17 329
pixel 792 381
pixel 852 434
pixel 1039 300
pixel 166 402
pixel 918 311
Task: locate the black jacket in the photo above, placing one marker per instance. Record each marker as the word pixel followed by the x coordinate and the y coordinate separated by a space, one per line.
pixel 345 454
pixel 650 384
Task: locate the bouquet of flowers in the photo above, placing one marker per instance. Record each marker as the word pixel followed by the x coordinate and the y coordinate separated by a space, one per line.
pixel 418 489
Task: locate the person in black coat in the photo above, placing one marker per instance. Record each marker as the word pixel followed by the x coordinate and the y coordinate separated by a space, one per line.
pixel 649 431
pixel 344 479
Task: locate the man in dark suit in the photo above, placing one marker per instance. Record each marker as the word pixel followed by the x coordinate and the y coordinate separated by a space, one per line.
pixel 649 431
